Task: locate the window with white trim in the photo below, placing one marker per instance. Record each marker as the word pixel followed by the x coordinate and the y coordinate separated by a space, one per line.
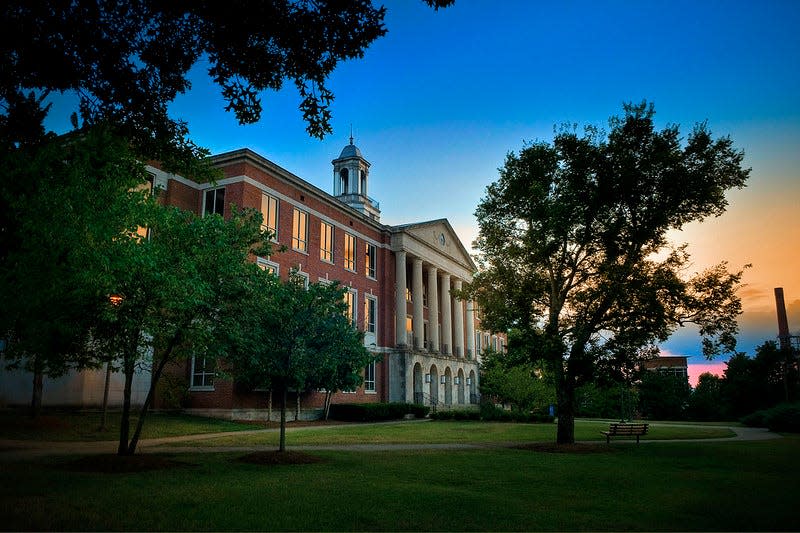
pixel 268 266
pixel 370 260
pixel 370 314
pixel 203 371
pixel 350 298
pixel 300 230
pixel 300 278
pixel 214 202
pixel 326 242
pixel 350 252
pixel 369 377
pixel 269 210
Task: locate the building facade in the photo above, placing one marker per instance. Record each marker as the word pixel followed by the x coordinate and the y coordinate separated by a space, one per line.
pixel 398 280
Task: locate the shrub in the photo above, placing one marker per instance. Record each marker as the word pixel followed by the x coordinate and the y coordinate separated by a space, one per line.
pixel 456 414
pixel 374 412
pixel 491 413
pixel 783 417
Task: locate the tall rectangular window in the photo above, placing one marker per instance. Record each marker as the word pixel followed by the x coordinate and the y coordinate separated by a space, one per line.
pixel 326 242
pixel 350 300
pixel 350 252
pixel 370 260
pixel 202 373
pixel 300 231
pixel 214 202
pixel 269 210
pixel 370 314
pixel 369 377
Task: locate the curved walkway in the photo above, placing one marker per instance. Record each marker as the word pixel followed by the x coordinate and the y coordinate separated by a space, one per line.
pixel 11 450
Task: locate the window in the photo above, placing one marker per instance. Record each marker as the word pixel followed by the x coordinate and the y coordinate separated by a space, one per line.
pixel 370 314
pixel 214 202
pixel 350 252
pixel 300 231
pixel 202 373
pixel 300 278
pixel 425 295
pixel 409 297
pixel 326 242
pixel 370 260
pixel 267 266
pixel 269 210
pixel 369 377
pixel 350 298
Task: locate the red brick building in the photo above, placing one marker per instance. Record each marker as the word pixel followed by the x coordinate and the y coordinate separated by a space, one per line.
pixel 398 280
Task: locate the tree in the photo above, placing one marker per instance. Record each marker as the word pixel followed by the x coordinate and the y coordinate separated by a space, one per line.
pixel 664 396
pixel 574 249
pixel 293 337
pixel 706 401
pixel 65 194
pixel 173 289
pixel 127 60
pixel 520 384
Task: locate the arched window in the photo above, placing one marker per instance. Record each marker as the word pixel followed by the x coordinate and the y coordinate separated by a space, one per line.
pixel 364 182
pixel 344 176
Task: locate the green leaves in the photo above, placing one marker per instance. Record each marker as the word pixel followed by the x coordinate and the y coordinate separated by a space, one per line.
pixel 573 242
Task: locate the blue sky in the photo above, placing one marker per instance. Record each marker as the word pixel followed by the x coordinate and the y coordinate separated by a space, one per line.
pixel 437 103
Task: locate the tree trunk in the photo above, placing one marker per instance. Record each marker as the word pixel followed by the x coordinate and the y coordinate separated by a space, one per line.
pixel 36 396
pixel 565 396
pixel 125 421
pixel 105 397
pixel 327 410
pixel 282 445
pixel 146 406
pixel 297 412
pixel 269 408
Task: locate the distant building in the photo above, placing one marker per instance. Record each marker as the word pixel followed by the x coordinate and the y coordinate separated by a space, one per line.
pixel 675 365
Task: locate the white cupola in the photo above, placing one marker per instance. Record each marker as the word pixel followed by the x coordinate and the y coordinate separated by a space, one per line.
pixel 351 179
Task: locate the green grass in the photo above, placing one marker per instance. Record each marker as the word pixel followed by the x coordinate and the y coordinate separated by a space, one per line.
pixel 83 426
pixel 447 432
pixel 659 486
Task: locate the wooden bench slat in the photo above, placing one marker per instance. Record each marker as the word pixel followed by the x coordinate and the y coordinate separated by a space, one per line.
pixel 628 430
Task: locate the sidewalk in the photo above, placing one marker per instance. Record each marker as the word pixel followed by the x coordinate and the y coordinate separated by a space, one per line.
pixel 11 450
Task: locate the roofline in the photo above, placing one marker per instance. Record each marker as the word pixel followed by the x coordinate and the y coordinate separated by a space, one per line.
pixel 246 154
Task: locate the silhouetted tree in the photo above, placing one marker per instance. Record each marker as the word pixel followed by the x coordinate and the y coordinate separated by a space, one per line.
pixel 663 396
pixel 706 400
pixel 568 240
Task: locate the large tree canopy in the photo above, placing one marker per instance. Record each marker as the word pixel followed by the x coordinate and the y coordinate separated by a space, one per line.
pixel 127 60
pixel 575 255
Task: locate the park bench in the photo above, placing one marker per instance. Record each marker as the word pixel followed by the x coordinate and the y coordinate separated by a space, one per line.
pixel 625 430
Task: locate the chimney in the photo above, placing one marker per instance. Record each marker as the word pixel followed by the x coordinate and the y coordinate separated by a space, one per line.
pixel 783 322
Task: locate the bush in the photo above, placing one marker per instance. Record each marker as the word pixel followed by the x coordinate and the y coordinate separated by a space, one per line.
pixel 375 412
pixel 783 417
pixel 457 414
pixel 491 413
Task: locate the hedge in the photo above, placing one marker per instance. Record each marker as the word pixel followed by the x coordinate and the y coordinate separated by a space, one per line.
pixel 784 417
pixel 374 412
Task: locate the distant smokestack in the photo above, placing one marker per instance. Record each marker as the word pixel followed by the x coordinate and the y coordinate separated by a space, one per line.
pixel 783 322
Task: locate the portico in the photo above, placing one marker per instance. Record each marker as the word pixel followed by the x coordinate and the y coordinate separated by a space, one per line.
pixel 434 355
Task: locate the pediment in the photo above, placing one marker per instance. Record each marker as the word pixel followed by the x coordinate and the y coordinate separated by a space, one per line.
pixel 432 239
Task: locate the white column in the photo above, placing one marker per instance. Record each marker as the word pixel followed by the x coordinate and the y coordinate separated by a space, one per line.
pixel 470 329
pixel 458 322
pixel 447 328
pixel 400 298
pixel 417 320
pixel 433 309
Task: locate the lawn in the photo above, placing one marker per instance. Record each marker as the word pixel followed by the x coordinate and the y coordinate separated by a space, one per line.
pixel 447 432
pixel 658 486
pixel 70 425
